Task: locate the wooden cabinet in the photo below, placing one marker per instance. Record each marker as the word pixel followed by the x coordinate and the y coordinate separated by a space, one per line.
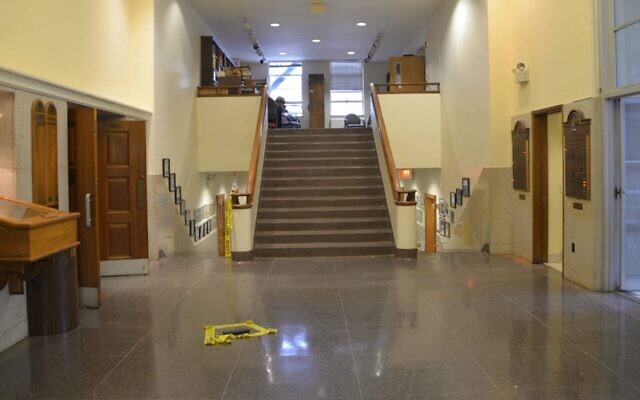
pixel 406 70
pixel 38 247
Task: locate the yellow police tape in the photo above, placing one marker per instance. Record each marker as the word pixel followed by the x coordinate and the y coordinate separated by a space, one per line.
pixel 227 231
pixel 212 338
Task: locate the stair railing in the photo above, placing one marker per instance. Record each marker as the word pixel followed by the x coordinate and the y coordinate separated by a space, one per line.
pixel 248 194
pixel 402 197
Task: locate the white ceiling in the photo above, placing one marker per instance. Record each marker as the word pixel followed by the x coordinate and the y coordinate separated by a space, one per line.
pixel 336 28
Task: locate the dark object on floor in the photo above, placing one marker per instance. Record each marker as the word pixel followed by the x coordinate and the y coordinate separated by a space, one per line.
pixel 236 331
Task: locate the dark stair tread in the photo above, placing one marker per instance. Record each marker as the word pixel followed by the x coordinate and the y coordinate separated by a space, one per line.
pixel 331 208
pixel 319 220
pixel 324 232
pixel 322 245
pixel 307 198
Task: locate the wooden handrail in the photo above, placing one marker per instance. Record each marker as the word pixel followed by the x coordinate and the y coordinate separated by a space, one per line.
pixel 401 196
pixel 422 87
pixel 255 157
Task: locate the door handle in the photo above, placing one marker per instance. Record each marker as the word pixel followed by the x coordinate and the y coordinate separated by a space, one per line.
pixel 87 210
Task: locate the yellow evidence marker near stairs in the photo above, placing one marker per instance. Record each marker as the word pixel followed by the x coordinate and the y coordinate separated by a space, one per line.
pixel 214 334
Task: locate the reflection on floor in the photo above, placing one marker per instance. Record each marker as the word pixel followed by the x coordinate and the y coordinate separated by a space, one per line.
pixel 557 266
pixel 448 326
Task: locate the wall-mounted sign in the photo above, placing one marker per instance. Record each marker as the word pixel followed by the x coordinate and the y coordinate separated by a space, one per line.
pixel 520 154
pixel 577 156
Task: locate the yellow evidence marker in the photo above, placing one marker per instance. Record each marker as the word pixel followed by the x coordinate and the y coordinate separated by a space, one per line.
pixel 211 337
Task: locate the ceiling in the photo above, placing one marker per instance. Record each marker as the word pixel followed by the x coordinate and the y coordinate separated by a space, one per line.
pixel 402 20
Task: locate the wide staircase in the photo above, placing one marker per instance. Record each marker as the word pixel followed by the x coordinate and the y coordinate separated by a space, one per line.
pixel 322 195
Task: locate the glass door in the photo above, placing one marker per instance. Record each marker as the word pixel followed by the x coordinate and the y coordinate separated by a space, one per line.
pixel 630 193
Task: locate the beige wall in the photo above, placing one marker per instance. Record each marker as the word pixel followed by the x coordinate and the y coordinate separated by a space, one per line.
pixel 178 28
pixel 413 127
pixel 103 48
pixel 457 57
pixel 226 130
pixel 555 187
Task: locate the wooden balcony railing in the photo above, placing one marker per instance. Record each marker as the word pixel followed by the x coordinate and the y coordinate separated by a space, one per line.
pixel 424 87
pixel 215 91
pixel 255 157
pixel 401 196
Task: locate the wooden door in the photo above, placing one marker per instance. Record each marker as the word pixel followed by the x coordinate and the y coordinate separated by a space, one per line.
pixel 83 191
pixel 407 69
pixel 123 190
pixel 316 101
pixel 44 154
pixel 430 215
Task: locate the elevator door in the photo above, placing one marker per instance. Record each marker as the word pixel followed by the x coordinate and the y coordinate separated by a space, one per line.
pixel 630 193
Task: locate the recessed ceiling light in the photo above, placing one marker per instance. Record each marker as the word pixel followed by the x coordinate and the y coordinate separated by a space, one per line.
pixel 283 53
pixel 351 53
pixel 274 24
pixel 316 40
pixel 361 24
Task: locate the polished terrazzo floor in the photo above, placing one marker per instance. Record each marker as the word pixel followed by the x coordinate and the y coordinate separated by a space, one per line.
pixel 464 326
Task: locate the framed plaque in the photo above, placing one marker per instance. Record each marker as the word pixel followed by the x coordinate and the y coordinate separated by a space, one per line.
pixel 577 156
pixel 520 155
pixel 453 199
pixel 192 227
pixel 178 195
pixel 172 182
pixel 459 196
pixel 166 167
pixel 466 187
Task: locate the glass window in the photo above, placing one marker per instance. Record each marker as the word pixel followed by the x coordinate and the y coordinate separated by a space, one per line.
pixel 628 55
pixel 347 95
pixel 285 80
pixel 627 11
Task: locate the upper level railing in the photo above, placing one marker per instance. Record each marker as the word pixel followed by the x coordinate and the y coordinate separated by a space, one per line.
pixel 255 156
pixel 401 196
pixel 215 91
pixel 424 87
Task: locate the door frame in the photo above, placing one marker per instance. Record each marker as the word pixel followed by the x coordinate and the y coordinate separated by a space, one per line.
pixel 540 184
pixel 432 199
pixel 324 111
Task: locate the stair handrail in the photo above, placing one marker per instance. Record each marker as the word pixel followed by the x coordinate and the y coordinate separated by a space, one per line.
pixel 401 196
pixel 255 157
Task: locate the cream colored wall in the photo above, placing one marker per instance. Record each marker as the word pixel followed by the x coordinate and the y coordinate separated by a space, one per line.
pixel 457 57
pixel 522 226
pixel 103 48
pixel 226 130
pixel 177 31
pixel 584 227
pixel 413 127
pixel 555 187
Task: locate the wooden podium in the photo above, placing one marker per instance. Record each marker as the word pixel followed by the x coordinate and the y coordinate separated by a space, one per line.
pixel 38 247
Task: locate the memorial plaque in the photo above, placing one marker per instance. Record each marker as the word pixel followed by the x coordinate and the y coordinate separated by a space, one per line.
pixel 577 156
pixel 520 151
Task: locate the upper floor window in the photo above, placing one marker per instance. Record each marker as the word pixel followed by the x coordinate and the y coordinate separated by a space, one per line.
pixel 627 38
pixel 347 94
pixel 285 80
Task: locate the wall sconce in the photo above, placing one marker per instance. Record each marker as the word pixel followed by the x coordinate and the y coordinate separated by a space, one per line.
pixel 405 173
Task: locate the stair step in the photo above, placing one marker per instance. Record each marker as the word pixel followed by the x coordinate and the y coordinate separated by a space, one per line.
pixel 340 181
pixel 327 201
pixel 323 131
pixel 323 212
pixel 317 153
pixel 321 161
pixel 323 249
pixel 325 236
pixel 322 191
pixel 311 137
pixel 314 224
pixel 320 171
pixel 321 146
